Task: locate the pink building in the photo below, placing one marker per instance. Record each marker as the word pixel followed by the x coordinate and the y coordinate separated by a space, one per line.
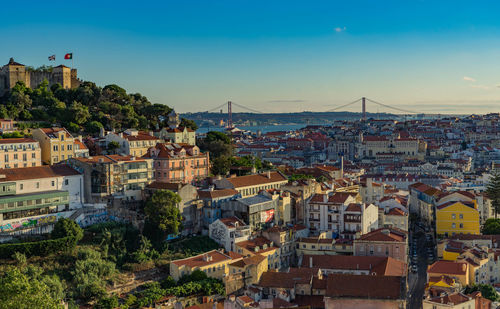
pixel 178 162
pixel 391 242
pixel 20 152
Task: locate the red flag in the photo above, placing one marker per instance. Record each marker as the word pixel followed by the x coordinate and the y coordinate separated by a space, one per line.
pixel 68 56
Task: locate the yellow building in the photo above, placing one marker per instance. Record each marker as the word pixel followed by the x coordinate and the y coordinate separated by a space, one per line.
pixel 459 271
pixel 213 263
pixel 244 272
pixel 457 218
pixel 57 144
pixel 261 246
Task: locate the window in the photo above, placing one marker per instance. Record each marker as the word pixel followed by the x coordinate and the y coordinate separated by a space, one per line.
pixel 56 148
pixel 66 182
pixel 453 216
pixel 15 156
pixel 21 186
pixel 37 185
pixel 461 225
pixel 25 157
pixel 461 216
pixel 453 225
pixel 62 147
pixel 33 155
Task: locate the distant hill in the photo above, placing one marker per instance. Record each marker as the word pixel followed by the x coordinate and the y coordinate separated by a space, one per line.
pixel 205 119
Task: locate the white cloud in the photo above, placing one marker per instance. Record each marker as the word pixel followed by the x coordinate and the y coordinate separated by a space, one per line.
pixel 340 29
pixel 469 79
pixel 480 86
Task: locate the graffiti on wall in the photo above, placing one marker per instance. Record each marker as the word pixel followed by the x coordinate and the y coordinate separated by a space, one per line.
pixel 27 223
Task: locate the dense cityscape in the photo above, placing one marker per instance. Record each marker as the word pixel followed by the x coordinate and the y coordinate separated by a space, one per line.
pixel 121 203
pixel 250 154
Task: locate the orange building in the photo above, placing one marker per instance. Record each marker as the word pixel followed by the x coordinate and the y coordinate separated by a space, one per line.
pixel 178 163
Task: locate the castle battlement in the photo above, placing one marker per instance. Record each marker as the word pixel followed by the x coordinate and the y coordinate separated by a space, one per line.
pixel 13 72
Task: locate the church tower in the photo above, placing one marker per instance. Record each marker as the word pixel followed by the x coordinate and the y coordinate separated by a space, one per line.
pixel 173 120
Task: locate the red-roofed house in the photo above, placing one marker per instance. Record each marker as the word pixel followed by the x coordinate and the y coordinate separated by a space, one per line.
pixel 229 231
pixel 213 263
pixel 391 242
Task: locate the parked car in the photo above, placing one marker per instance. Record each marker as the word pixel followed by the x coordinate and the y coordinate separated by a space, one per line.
pixel 414 268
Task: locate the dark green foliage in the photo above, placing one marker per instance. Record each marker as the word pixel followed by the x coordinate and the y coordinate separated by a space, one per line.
pixel 218 144
pixel 38 248
pixel 88 106
pixel 28 288
pixel 107 303
pixel 487 291
pixel 67 228
pixel 161 210
pixel 191 246
pixel 491 227
pixel 15 134
pixel 90 274
pixel 295 177
pixel 493 192
pixel 189 124
pixel 196 275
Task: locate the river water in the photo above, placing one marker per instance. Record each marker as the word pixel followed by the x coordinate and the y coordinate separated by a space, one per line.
pixel 263 129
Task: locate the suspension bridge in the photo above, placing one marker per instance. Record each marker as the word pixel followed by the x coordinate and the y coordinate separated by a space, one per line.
pixel 229 107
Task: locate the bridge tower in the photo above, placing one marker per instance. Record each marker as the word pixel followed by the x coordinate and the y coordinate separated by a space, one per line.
pixel 363 107
pixel 229 115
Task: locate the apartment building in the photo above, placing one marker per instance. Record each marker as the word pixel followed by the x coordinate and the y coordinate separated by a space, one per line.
pixel 57 144
pixel 132 142
pixel 111 177
pixel 251 185
pixel 341 213
pixel 383 242
pixel 213 263
pixel 212 203
pixel 36 196
pixel 178 163
pixel 456 217
pixel 20 152
pixel 228 231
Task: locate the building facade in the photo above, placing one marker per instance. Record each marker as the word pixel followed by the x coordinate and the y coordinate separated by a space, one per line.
pixel 57 144
pixel 20 152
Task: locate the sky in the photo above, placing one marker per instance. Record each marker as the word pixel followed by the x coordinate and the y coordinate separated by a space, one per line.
pixel 272 55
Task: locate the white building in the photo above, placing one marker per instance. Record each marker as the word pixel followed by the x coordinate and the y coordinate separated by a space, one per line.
pixel 228 231
pixel 35 196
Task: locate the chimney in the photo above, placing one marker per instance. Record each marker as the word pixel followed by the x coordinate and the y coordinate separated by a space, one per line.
pixel 310 262
pixel 120 134
pixel 269 174
pixel 151 133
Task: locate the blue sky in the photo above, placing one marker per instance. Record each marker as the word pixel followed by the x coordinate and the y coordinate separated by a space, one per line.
pixel 274 56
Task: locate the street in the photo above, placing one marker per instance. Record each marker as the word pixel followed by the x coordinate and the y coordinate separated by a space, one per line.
pixel 417 281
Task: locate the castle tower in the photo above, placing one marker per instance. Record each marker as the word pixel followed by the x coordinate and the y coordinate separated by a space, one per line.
pixel 173 120
pixel 11 73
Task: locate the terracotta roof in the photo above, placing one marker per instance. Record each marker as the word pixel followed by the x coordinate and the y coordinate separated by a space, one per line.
pixel 80 144
pixel 207 194
pixel 469 204
pixel 50 132
pixel 282 280
pixel 141 136
pixel 231 222
pixel 455 299
pixel 172 186
pixel 35 172
pixel 253 260
pixel 16 140
pixel 447 267
pixel 446 279
pixel 354 207
pixel 381 266
pixel 396 212
pixel 385 234
pixel 257 179
pixel 201 260
pixel 365 286
pixel 107 159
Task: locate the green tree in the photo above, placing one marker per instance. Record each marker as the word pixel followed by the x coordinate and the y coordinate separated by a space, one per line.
pixel 491 227
pixel 65 227
pixel 90 274
pixel 107 302
pixel 213 136
pixel 161 209
pixel 188 123
pixel 93 127
pixel 487 291
pixel 493 192
pixel 112 146
pixel 221 165
pixel 29 289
